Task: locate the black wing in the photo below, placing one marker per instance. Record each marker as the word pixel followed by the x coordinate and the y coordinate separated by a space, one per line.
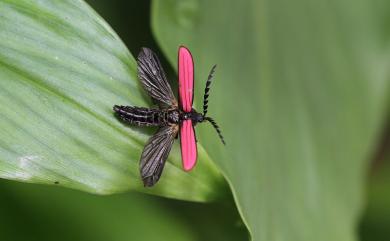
pixel 156 153
pixel 153 78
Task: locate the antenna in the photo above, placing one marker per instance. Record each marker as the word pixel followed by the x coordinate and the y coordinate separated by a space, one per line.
pixel 216 127
pixel 207 89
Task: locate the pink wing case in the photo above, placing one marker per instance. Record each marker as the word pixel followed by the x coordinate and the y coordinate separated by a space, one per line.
pixel 186 92
pixel 188 145
pixel 186 79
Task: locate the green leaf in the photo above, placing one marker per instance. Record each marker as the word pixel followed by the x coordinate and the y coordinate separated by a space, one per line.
pixel 62 68
pixel 80 216
pixel 300 94
pixel 376 219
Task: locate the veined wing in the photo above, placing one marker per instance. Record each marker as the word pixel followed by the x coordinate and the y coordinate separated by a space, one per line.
pixel 153 78
pixel 186 79
pixel 156 153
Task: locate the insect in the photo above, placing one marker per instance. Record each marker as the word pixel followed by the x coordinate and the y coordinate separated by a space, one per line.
pixel 171 117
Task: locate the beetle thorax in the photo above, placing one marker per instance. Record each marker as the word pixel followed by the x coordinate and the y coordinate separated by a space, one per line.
pixel 193 115
pixel 173 116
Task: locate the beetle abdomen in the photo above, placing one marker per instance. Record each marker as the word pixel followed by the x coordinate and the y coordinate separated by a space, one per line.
pixel 138 115
pixel 142 116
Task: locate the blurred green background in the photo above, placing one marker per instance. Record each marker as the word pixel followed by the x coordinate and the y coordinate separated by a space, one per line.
pixel 36 212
